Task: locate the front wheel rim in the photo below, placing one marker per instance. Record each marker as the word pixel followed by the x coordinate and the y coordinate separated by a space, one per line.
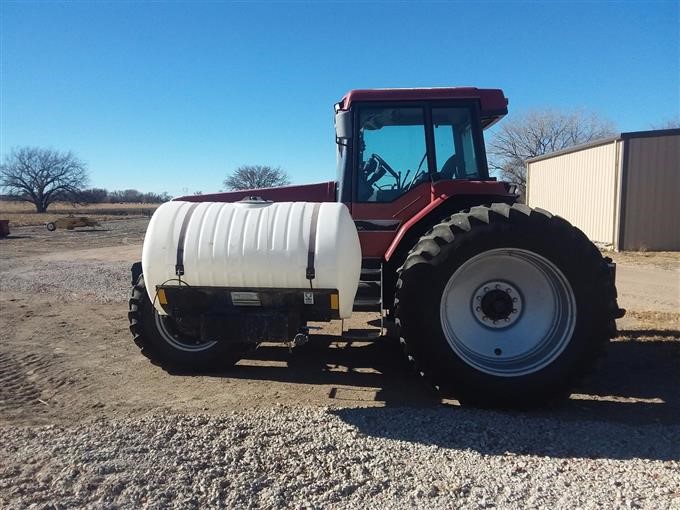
pixel 178 340
pixel 508 312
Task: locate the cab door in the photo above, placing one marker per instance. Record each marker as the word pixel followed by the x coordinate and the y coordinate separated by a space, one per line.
pixel 391 181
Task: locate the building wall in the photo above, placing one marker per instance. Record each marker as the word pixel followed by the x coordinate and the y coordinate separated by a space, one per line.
pixel 582 187
pixel 651 207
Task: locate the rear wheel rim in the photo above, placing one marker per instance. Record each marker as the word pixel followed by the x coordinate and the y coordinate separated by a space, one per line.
pixel 179 340
pixel 508 312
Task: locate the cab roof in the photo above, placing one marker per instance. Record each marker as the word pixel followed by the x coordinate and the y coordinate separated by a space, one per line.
pixel 493 103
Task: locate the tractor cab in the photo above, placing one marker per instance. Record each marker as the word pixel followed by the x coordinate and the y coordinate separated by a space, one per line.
pixel 390 141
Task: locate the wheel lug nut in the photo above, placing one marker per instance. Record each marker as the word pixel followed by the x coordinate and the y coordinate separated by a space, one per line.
pixel 485 318
pixel 498 286
pixel 507 320
pixel 514 310
pixel 486 289
pixel 479 298
pixel 478 309
pixel 514 300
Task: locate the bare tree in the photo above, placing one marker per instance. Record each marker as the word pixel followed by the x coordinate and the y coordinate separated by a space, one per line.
pixel 668 124
pixel 256 176
pixel 539 132
pixel 42 176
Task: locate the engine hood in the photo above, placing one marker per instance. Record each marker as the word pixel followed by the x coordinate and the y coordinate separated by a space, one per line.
pixel 319 192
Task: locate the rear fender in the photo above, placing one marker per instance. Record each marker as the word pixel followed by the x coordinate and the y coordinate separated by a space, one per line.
pixel 412 230
pixel 436 211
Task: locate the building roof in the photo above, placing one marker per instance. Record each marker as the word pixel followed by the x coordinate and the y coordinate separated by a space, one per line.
pixel 604 141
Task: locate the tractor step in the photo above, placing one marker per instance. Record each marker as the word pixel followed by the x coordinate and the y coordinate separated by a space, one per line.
pixel 361 334
pixel 370 275
pixel 371 269
pixel 368 297
pixel 367 305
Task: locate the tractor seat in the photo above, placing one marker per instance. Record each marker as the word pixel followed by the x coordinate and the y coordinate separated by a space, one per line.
pixel 453 168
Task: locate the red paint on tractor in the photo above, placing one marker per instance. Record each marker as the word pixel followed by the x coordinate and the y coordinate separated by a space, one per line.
pixel 448 188
pixel 440 192
pixel 375 242
pixel 411 208
pixel 491 101
pixel 320 192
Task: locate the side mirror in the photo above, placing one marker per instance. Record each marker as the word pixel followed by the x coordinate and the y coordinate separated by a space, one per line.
pixel 343 126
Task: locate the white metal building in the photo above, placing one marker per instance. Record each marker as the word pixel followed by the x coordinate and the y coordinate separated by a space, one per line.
pixel 623 192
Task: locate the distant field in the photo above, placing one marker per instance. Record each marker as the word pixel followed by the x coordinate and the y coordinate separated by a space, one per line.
pixel 23 213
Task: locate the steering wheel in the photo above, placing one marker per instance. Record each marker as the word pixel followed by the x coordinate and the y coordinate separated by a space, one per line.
pixel 376 167
pixel 371 170
pixel 386 166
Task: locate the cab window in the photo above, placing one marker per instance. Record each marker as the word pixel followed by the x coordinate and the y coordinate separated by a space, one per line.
pixel 392 153
pixel 454 144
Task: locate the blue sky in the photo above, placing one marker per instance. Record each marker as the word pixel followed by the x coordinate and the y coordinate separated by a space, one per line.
pixel 171 96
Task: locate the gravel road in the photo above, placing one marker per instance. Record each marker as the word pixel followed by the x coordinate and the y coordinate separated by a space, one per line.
pixel 649 288
pixel 77 265
pixel 356 458
pixel 86 421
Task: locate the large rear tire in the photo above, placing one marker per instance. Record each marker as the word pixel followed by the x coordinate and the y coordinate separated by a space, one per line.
pixel 505 306
pixel 175 344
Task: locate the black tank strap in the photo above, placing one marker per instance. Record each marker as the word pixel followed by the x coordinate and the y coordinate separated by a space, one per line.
pixel 311 272
pixel 179 266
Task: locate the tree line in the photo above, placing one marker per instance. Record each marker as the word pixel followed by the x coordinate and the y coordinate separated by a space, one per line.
pixel 100 196
pixel 127 196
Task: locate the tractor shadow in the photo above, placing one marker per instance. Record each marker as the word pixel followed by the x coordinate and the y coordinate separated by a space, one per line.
pixel 353 371
pixel 630 407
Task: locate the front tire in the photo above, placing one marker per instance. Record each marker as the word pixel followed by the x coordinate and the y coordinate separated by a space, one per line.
pixel 505 306
pixel 175 344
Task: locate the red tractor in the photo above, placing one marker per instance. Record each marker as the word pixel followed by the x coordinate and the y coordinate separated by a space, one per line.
pixel 494 302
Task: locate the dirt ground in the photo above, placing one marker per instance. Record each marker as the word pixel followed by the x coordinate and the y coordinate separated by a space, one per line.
pixel 65 358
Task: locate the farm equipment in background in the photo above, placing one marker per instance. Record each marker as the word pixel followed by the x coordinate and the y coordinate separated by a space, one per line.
pixel 71 222
pixel 495 303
